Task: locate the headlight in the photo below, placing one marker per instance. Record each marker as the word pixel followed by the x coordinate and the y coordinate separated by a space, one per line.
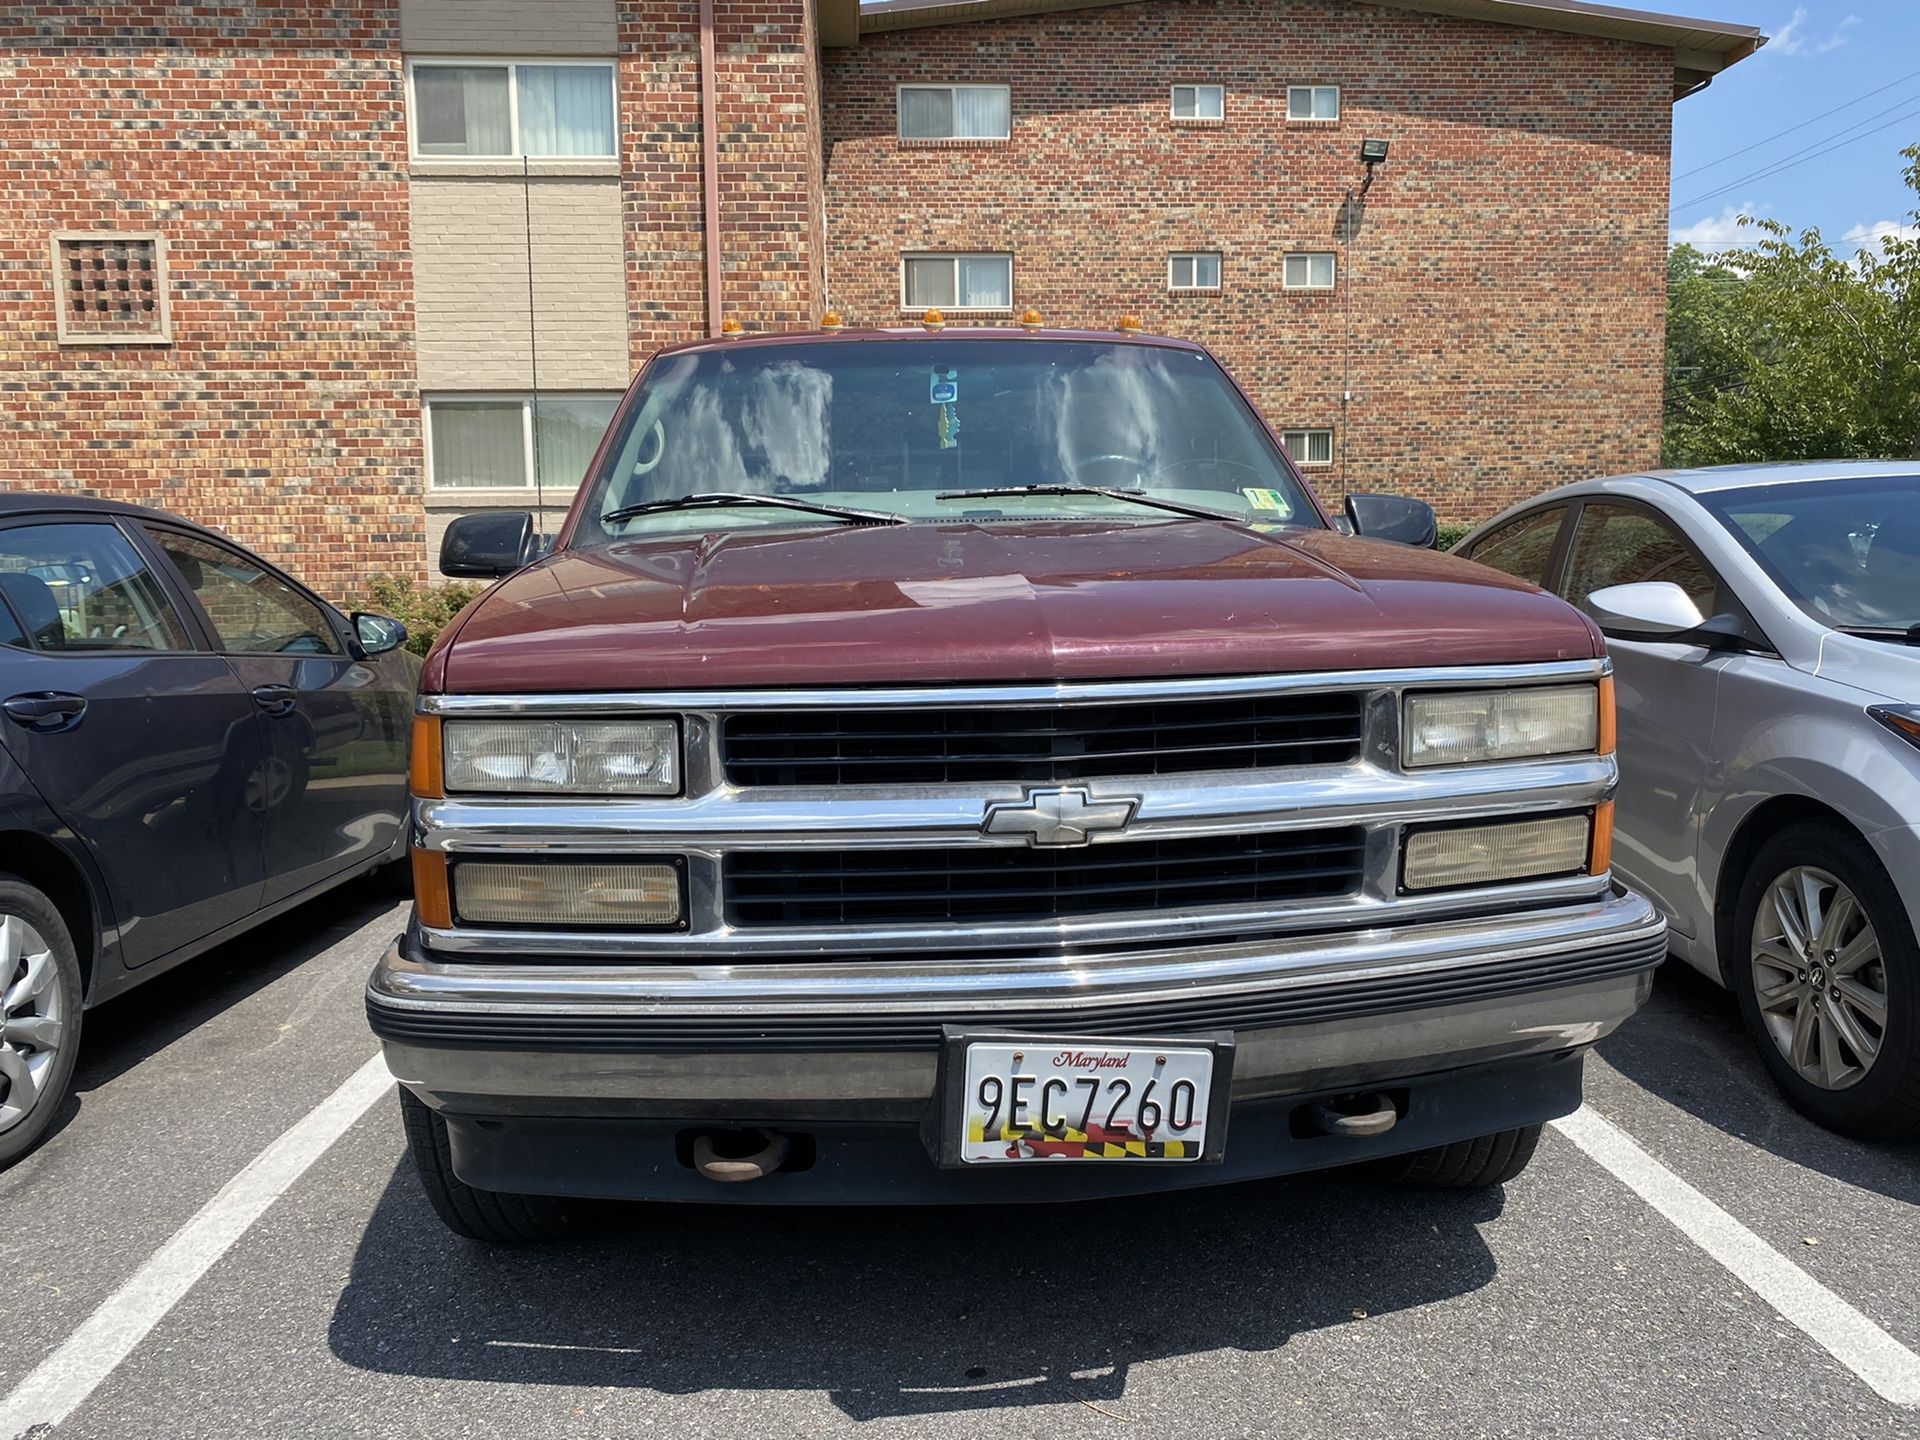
pixel 564 894
pixel 1503 850
pixel 563 757
pixel 1458 727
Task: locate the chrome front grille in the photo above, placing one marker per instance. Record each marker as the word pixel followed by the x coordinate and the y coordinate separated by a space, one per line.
pixel 1040 744
pixel 983 884
pixel 819 825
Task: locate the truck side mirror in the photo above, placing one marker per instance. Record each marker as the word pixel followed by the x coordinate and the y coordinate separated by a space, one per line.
pixel 1398 518
pixel 489 545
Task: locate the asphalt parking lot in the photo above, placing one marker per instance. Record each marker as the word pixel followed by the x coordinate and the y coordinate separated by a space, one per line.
pixel 194 1253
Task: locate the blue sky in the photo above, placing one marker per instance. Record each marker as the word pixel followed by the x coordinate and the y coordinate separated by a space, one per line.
pixel 1822 54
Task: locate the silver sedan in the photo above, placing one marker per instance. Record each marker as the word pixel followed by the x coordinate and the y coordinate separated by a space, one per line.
pixel 1765 628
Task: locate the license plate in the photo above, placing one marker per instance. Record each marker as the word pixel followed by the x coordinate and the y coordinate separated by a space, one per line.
pixel 1036 1099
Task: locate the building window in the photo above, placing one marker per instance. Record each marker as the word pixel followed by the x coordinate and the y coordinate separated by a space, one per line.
pixel 1308 272
pixel 110 289
pixel 1313 102
pixel 493 110
pixel 1194 272
pixel 956 282
pixel 1308 447
pixel 495 442
pixel 955 112
pixel 1199 102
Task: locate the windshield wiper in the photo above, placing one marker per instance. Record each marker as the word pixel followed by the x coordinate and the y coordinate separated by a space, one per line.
pixel 722 499
pixel 1154 502
pixel 1899 634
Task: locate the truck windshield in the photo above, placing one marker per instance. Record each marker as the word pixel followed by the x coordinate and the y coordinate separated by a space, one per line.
pixel 898 426
pixel 1846 551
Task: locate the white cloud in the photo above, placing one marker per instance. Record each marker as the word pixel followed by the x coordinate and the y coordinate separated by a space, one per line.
pixel 1723 231
pixel 1869 236
pixel 1792 38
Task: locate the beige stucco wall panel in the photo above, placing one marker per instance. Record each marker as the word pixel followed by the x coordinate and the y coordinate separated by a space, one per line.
pixel 509 27
pixel 470 282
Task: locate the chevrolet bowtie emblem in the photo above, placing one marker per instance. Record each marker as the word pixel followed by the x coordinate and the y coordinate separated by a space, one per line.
pixel 1057 817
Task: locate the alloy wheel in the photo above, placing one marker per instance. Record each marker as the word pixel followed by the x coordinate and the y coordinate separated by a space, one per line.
pixel 31 1018
pixel 1819 977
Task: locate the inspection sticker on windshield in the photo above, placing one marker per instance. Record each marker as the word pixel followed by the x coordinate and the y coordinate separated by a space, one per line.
pixel 1271 502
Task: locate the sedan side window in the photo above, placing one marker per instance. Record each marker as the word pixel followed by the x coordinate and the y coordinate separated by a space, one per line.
pixel 80 586
pixel 252 610
pixel 1622 545
pixel 1523 548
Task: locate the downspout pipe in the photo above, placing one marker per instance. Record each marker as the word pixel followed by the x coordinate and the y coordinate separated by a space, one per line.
pixel 710 165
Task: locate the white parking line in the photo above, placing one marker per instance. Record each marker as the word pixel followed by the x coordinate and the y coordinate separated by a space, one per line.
pixel 1889 1367
pixel 66 1377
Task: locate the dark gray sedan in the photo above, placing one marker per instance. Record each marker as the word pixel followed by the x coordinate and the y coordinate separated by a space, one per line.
pixel 1764 623
pixel 191 743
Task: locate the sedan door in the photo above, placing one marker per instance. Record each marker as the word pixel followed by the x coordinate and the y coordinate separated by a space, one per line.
pixel 1666 696
pixel 336 722
pixel 146 746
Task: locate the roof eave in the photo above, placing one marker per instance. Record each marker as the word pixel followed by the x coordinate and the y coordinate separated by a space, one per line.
pixel 1701 48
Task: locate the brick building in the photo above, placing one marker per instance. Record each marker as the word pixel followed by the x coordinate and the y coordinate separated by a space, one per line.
pixel 297 270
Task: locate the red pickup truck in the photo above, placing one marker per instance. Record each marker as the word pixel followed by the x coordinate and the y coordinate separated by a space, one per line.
pixel 971 765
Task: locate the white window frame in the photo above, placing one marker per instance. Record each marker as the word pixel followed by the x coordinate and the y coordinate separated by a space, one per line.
pixel 1196 256
pixel 1309 118
pixel 524 398
pixel 511 64
pixel 1333 258
pixel 162 310
pixel 899 111
pixel 1306 447
pixel 956 256
pixel 1173 105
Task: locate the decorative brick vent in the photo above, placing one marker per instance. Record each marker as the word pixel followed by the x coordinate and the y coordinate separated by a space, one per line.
pixel 112 289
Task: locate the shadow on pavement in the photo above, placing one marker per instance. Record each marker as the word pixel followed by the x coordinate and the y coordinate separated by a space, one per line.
pixel 1689 1047
pixel 902 1312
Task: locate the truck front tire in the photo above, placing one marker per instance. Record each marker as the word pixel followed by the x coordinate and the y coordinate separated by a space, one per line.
pixel 490 1216
pixel 1467 1164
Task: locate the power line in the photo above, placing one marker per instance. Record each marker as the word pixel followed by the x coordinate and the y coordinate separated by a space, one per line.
pixel 1782 134
pixel 1800 157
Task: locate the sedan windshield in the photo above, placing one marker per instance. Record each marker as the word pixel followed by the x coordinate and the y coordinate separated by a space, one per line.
pixel 932 431
pixel 1845 551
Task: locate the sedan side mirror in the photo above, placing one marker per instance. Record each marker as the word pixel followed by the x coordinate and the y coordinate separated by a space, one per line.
pixel 378 634
pixel 1398 518
pixel 488 545
pixel 1659 612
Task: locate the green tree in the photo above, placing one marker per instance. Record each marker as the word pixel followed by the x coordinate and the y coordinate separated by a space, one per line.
pixel 1789 352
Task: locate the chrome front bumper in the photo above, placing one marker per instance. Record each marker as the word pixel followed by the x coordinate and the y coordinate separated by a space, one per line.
pixel 813 1040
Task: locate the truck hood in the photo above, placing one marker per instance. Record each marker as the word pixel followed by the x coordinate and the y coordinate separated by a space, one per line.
pixel 956 603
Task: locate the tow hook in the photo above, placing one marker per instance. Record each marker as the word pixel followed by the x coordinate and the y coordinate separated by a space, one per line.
pixel 1354 1117
pixel 734 1169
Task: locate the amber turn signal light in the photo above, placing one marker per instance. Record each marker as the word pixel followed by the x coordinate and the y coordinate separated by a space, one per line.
pixel 1607 730
pixel 425 776
pixel 1600 858
pixel 431 900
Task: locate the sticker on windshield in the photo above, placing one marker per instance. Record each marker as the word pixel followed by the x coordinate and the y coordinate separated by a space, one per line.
pixel 1267 501
pixel 943 390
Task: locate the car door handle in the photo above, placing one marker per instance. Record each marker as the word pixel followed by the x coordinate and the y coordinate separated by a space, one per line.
pixel 276 699
pixel 47 710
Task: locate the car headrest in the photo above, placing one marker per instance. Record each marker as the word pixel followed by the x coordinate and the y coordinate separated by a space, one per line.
pixel 32 599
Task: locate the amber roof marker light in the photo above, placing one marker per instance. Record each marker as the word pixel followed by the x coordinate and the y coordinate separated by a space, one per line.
pixel 831 320
pixel 1129 325
pixel 934 320
pixel 1029 319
